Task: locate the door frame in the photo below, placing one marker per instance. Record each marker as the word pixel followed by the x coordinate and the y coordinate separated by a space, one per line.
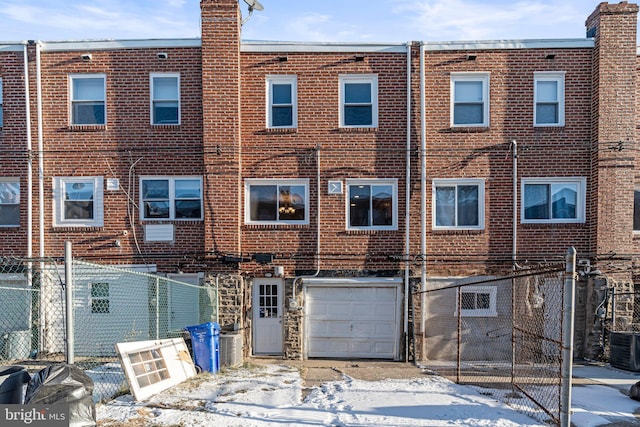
pixel 255 317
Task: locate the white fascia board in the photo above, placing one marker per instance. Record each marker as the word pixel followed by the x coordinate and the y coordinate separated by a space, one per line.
pixel 352 281
pixel 12 46
pixel 310 47
pixel 510 44
pixel 81 45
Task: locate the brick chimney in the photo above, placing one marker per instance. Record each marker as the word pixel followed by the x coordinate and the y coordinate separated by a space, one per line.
pixel 613 113
pixel 221 124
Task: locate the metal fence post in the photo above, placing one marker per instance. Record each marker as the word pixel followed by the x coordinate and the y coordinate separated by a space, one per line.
pixel 567 337
pixel 68 286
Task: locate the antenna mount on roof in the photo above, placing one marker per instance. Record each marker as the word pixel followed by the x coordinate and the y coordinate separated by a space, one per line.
pixel 253 4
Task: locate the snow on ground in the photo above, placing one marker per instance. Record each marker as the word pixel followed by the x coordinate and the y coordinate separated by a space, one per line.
pixel 271 395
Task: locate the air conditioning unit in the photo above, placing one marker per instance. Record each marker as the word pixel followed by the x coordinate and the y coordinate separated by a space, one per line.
pixel 625 350
pixel 231 349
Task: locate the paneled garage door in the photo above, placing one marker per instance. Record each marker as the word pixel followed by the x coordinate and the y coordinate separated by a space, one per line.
pixel 348 321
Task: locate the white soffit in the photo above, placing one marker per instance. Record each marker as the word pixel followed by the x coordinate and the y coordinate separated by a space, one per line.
pixel 154 366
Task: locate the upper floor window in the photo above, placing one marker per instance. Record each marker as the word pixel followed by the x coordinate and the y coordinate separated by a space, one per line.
pixel 458 203
pixel 88 95
pixel 548 99
pixel 171 198
pixel 281 201
pixel 470 99
pixel 282 102
pixel 372 204
pixel 1 105
pixel 9 202
pixel 553 200
pixel 359 100
pixel 78 201
pixel 165 99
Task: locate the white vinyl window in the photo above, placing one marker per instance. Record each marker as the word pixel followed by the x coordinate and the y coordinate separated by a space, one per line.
pixel 548 99
pixel 553 200
pixel 88 95
pixel 282 102
pixel 477 301
pixel 470 99
pixel 358 100
pixel 9 202
pixel 78 201
pixel 171 198
pixel 277 201
pixel 165 99
pixel 458 204
pixel 1 105
pixel 372 204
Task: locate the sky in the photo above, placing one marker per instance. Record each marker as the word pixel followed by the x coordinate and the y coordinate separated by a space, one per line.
pixel 374 21
pixel 271 396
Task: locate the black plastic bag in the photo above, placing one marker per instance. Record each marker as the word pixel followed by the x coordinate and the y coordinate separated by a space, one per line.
pixel 67 385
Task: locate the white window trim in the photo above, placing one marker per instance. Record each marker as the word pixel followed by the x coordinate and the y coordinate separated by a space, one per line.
pixel 492 311
pixel 371 79
pixel 442 182
pixel 172 197
pixel 12 180
pixel 372 181
pixel 151 77
pixel 278 182
pixel 104 96
pixel 482 77
pixel 98 202
pixel 556 76
pixel 282 79
pixel 580 201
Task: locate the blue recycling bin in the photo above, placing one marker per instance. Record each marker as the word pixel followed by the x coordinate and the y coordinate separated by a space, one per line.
pixel 205 345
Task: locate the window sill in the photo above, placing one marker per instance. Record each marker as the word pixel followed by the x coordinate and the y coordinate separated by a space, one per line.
pixel 469 129
pixel 277 131
pixel 165 126
pixel 553 224
pixel 548 128
pixel 458 232
pixel 65 228
pixel 365 232
pixel 357 130
pixel 87 128
pixel 274 226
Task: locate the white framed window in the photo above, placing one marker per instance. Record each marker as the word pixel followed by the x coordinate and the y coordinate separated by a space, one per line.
pixel 88 99
pixel 99 297
pixel 372 204
pixel 469 99
pixel 477 301
pixel 358 100
pixel 78 201
pixel 282 102
pixel 553 200
pixel 548 98
pixel 9 202
pixel 165 98
pixel 276 201
pixel 171 198
pixel 636 210
pixel 1 105
pixel 458 204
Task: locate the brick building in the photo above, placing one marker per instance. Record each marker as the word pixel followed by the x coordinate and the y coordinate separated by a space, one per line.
pixel 319 183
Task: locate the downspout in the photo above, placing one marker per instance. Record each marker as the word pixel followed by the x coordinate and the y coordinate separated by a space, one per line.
pixel 423 192
pixel 27 97
pixel 514 249
pixel 40 151
pixel 407 217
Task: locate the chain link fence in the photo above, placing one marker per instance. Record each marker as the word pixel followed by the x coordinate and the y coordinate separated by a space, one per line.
pixel 110 305
pixel 502 335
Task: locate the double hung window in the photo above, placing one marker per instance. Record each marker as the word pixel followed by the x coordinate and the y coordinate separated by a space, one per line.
pixel 282 108
pixel 458 203
pixel 78 201
pixel 359 100
pixel 88 95
pixel 548 99
pixel 9 202
pixel 469 99
pixel 165 99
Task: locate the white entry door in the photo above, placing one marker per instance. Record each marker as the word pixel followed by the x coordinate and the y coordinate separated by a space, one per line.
pixel 267 316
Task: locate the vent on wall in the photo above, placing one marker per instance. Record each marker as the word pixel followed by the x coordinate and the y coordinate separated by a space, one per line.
pixel 158 233
pixel 625 350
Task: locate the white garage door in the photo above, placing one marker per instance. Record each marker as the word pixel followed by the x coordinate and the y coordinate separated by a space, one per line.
pixel 348 321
